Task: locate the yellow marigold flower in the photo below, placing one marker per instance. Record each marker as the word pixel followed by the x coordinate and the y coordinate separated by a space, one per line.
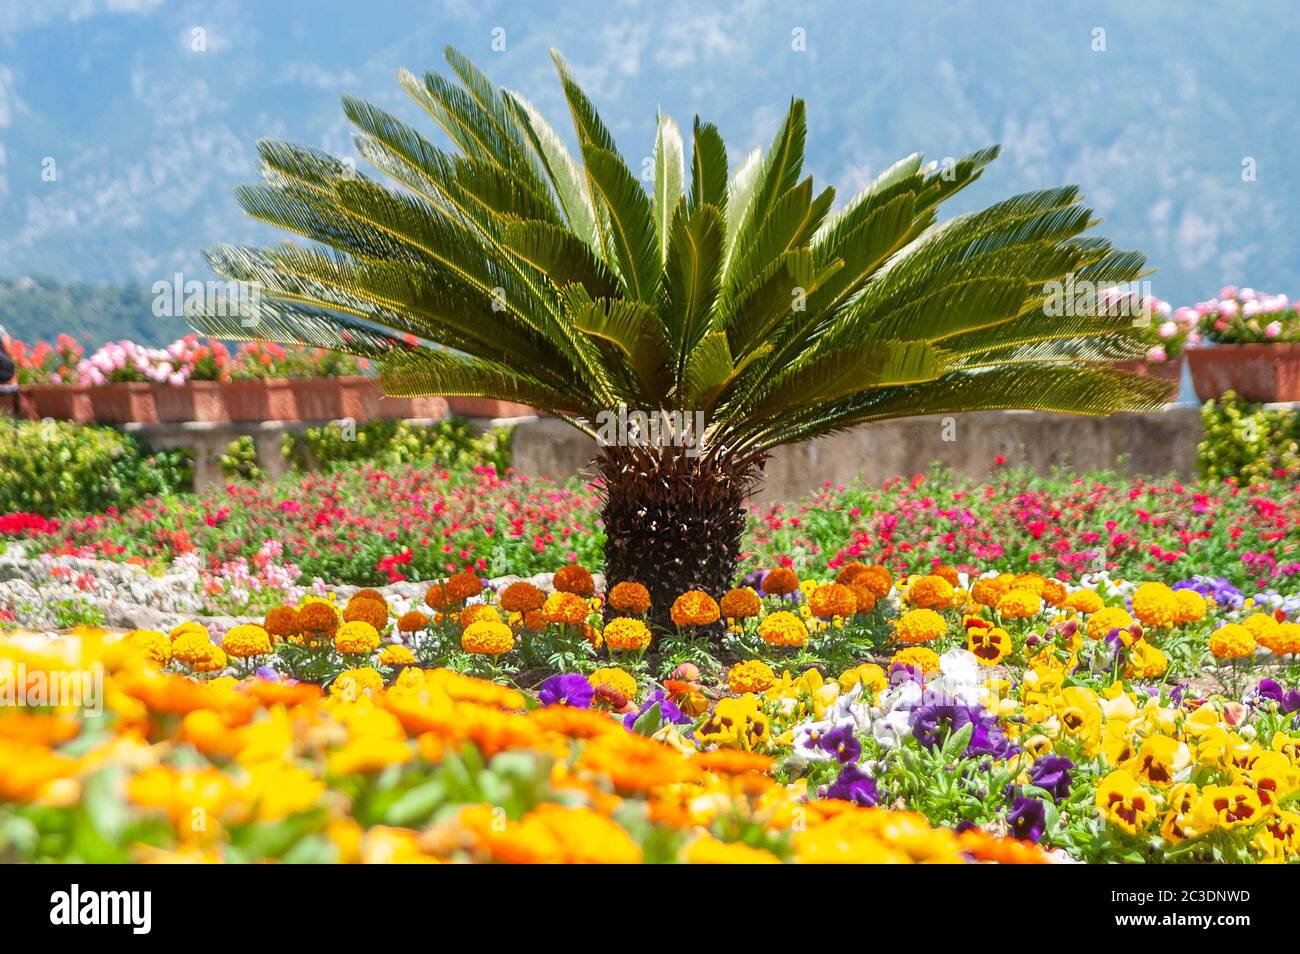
pixel 567 608
pixel 521 597
pixel 478 613
pixel 192 646
pixel 695 608
pixel 395 654
pixel 189 626
pixel 990 646
pixel 1146 661
pixel 1229 806
pixel 365 755
pixel 780 582
pixel 487 638
pixel 574 579
pixel 1084 601
pixel 630 597
pixel 741 603
pixel 621 681
pixel 754 675
pixel 1191 606
pixel 1104 620
pixel 556 834
pixel 154 646
pixel 919 626
pixel 626 633
pixel 356 638
pixel 374 612
pixel 1155 604
pixel 1283 639
pixel 1019 604
pixel 708 850
pixel 1229 641
pixel 783 628
pixel 245 641
pixel 1125 803
pixel 353 683
pixel 869 675
pixel 930 592
pixel 215 661
pixel 833 599
pixel 1260 625
pixel 917 657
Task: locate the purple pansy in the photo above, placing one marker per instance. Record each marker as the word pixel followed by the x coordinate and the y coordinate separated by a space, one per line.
pixel 568 689
pixel 854 785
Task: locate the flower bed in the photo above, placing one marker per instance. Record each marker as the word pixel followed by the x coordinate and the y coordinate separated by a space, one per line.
pixel 1001 717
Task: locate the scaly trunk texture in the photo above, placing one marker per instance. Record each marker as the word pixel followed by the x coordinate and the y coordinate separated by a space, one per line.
pixel 673 522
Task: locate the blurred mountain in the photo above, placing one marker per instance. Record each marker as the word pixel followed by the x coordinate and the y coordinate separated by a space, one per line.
pixel 124 124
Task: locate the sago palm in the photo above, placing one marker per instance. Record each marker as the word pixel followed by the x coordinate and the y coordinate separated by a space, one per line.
pixel 508 267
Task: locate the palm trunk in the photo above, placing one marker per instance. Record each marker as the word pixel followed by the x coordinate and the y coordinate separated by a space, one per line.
pixel 673 522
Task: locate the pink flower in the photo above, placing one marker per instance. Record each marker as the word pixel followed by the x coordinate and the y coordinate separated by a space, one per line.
pixel 1157 355
pixel 1272 329
pixel 1168 329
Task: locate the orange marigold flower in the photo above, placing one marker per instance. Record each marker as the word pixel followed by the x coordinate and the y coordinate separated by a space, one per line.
pixel 374 612
pixel 1054 592
pixel 629 597
pixel 461 587
pixel 918 657
pixel 574 579
pixel 435 597
pixel 741 603
pixel 534 621
pixel 753 675
pixel 412 622
pixel 395 654
pixel 930 592
pixel 521 597
pixel 246 641
pixel 368 593
pixel 832 599
pixel 988 590
pixel 780 582
pixel 318 619
pixel 1232 641
pixel 626 633
pixel 567 608
pixel 282 621
pixel 947 573
pixel 695 608
pixel 863 596
pixel 877 579
pixel 1155 604
pixel 1084 601
pixel 850 572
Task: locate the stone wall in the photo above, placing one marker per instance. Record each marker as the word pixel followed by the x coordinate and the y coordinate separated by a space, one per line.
pixel 1150 444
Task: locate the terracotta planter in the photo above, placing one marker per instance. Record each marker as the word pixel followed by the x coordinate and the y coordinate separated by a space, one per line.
pixel 488 407
pixel 124 403
pixel 330 399
pixel 191 401
pixel 1265 373
pixel 271 399
pixel 62 402
pixel 1171 371
pixel 412 407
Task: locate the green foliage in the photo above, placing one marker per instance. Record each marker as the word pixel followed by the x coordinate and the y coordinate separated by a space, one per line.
pixel 58 468
pixel 239 462
pixel 450 443
pixel 1246 441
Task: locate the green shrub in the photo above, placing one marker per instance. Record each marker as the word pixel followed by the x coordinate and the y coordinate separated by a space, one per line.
pixel 1244 441
pixel 450 443
pixel 239 462
pixel 58 468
